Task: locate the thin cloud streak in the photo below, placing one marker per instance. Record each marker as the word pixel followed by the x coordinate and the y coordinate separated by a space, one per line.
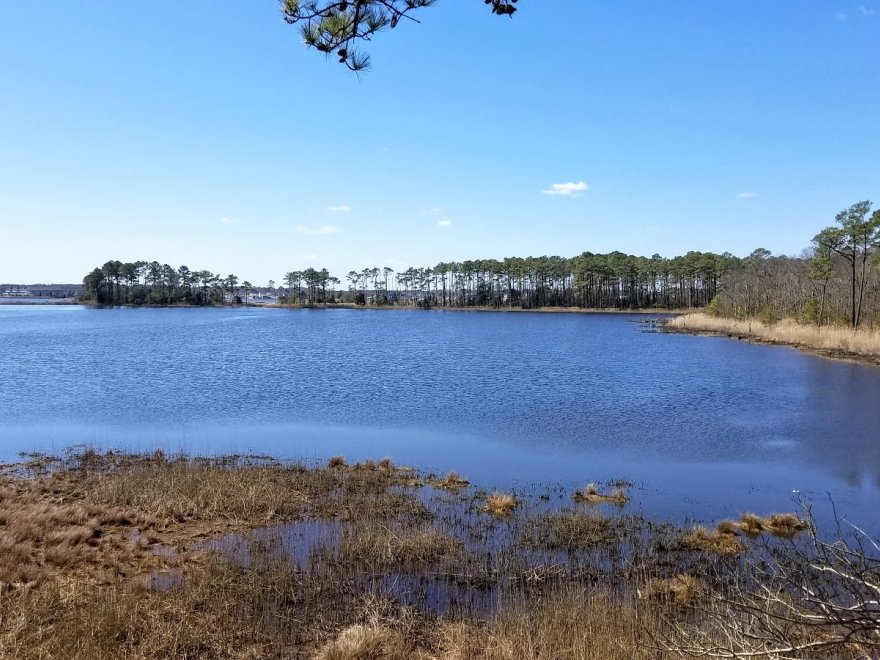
pixel 570 189
pixel 320 231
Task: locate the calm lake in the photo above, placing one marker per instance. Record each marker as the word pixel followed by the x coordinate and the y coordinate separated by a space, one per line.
pixel 704 427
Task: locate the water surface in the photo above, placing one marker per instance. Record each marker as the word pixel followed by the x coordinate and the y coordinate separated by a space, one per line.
pixel 705 427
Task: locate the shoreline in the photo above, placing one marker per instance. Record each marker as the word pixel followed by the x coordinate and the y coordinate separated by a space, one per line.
pixel 702 325
pixel 375 308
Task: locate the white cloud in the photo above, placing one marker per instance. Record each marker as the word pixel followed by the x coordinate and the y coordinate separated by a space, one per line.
pixel 865 11
pixel 747 195
pixel 652 229
pixel 840 16
pixel 566 189
pixel 320 231
pixel 311 257
pixel 226 221
pixel 445 223
pixel 339 208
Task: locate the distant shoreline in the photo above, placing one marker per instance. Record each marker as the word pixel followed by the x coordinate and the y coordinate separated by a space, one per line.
pixel 37 302
pixel 375 308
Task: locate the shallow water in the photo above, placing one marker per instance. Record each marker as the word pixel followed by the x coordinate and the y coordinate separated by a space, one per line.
pixel 705 427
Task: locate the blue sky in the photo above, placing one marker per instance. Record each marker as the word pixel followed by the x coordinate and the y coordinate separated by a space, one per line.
pixel 205 134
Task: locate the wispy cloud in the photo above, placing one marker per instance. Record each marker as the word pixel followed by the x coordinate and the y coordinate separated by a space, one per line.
pixel 311 257
pixel 339 208
pixel 320 231
pixel 570 189
pixel 747 195
pixel 226 221
pixel 840 16
pixel 445 223
pixel 866 11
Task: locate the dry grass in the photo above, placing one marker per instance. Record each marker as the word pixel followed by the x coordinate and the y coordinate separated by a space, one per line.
pixel 752 525
pixel 451 482
pixel 682 589
pixel 362 642
pixel 828 339
pixel 396 574
pixel 570 531
pixel 381 546
pixel 782 525
pixel 337 462
pixel 717 541
pixel 500 504
pixel 101 515
pixel 568 625
pixel 591 495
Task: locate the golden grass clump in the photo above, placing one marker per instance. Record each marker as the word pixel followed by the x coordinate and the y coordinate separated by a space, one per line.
pixel 716 541
pixel 591 495
pixel 363 642
pixel 784 525
pixel 451 482
pixel 750 524
pixel 337 463
pixel 500 504
pixel 830 339
pixel 681 590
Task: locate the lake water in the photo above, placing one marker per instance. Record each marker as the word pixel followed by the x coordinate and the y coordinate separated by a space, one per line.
pixel 705 427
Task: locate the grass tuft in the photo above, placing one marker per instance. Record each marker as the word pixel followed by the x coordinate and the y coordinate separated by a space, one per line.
pixel 718 542
pixel 681 590
pixel 451 482
pixel 784 525
pixel 337 463
pixel 500 504
pixel 363 642
pixel 591 495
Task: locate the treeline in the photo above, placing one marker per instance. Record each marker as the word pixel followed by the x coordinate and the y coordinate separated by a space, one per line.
pixel 599 281
pixel 835 281
pixel 152 283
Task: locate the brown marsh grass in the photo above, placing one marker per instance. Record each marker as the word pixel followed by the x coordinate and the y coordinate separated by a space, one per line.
pixel 591 495
pixel 381 546
pixel 720 542
pixel 829 339
pixel 782 525
pixel 500 504
pixel 108 555
pixel 570 531
pixel 451 482
pixel 681 589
